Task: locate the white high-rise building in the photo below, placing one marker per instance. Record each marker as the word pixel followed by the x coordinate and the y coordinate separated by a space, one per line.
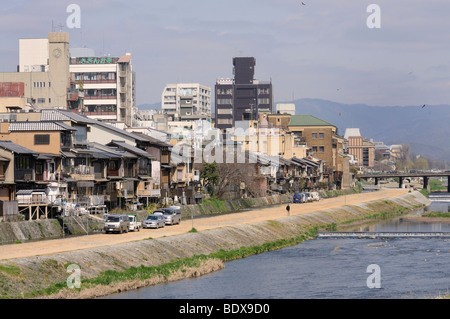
pixel 108 84
pixel 187 100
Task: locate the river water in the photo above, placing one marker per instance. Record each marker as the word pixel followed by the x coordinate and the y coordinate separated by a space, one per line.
pixel 328 269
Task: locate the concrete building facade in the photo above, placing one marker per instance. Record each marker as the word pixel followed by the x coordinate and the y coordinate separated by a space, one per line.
pixel 184 100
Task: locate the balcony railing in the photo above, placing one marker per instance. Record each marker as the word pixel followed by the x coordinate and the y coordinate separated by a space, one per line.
pixel 100 97
pixel 149 192
pixel 83 173
pixel 113 172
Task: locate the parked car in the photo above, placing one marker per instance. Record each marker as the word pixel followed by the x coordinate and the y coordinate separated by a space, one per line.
pixel 298 198
pixel 172 216
pixel 308 197
pixel 134 224
pixel 158 212
pixel 116 223
pixel 315 196
pixel 154 221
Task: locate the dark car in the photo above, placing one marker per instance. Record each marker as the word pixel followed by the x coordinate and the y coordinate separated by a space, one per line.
pixel 298 198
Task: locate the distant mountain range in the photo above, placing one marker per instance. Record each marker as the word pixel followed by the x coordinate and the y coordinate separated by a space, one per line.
pixel 154 106
pixel 425 129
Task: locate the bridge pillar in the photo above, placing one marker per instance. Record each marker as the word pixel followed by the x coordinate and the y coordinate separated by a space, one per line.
pixel 400 182
pixel 448 184
pixel 376 181
pixel 425 182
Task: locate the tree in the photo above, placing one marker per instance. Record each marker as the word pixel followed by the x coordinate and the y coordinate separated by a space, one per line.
pixel 210 176
pixel 421 164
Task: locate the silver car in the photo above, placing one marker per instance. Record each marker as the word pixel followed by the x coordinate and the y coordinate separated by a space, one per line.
pixel 172 217
pixel 154 221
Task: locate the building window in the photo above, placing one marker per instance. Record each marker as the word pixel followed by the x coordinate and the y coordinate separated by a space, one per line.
pixel 263 101
pixel 42 139
pixel 41 101
pixel 225 111
pixel 39 168
pixel 314 148
pixel 180 175
pixel 321 135
pixel 224 101
pixel 224 121
pixel 314 135
pixel 23 163
pixel 224 91
pixel 321 149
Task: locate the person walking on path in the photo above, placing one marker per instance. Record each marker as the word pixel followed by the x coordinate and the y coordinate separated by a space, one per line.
pixel 288 209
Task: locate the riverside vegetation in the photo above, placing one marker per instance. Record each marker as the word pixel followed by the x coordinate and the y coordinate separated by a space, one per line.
pixel 149 262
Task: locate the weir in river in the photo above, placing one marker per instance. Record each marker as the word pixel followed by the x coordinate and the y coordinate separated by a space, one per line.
pixel 383 235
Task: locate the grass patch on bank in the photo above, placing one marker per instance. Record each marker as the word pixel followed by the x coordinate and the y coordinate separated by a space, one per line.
pixel 437 214
pixel 218 205
pixel 393 211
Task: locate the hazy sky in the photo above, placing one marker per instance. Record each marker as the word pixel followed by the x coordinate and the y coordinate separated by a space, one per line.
pixel 323 49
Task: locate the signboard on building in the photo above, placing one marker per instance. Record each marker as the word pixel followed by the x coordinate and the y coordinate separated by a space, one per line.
pixel 12 89
pixel 98 60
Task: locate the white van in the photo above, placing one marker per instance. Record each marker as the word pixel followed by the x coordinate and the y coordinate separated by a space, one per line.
pixel 315 196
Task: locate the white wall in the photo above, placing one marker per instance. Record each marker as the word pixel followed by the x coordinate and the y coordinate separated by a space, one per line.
pixel 104 136
pixel 32 52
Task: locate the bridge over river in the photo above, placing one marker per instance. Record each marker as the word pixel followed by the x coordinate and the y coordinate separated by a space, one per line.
pixel 426 175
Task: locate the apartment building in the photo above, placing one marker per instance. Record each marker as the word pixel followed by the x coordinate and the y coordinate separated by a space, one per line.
pixel 103 88
pixel 243 97
pixel 186 101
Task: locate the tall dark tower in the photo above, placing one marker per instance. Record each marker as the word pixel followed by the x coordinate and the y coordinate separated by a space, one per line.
pixel 243 97
pixel 244 70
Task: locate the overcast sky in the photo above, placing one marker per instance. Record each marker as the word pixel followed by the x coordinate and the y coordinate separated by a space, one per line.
pixel 323 49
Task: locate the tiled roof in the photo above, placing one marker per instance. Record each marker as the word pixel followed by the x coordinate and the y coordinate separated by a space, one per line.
pixel 13 147
pixel 307 120
pixel 112 152
pixel 120 131
pixel 39 126
pixel 125 59
pixel 64 115
pixel 131 149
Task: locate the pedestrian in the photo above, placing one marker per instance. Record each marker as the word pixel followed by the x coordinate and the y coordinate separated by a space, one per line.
pixel 288 209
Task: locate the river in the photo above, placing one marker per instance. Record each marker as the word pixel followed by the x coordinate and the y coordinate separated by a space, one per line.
pixel 328 269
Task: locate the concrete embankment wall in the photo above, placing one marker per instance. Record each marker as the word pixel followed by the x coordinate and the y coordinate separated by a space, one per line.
pixel 19 232
pixel 209 208
pixel 24 275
